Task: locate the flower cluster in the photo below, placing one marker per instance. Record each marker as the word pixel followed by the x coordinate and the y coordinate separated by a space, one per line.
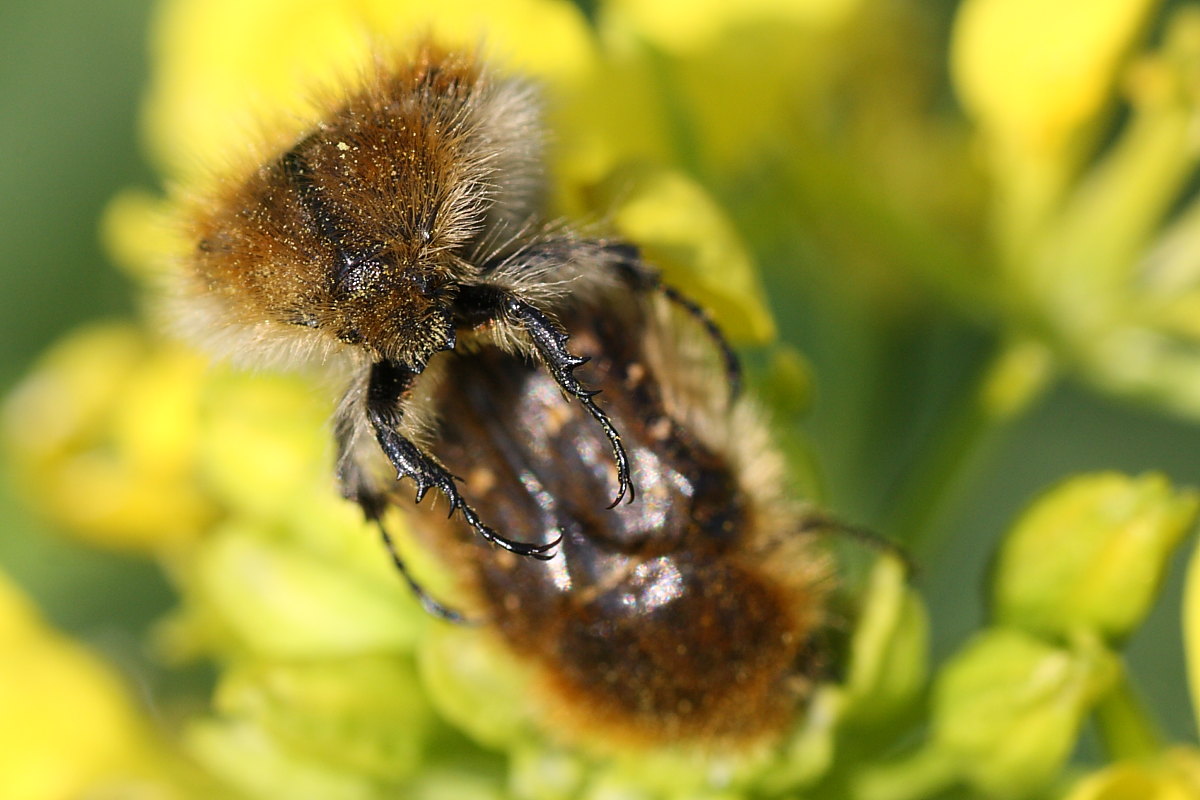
pixel 1060 226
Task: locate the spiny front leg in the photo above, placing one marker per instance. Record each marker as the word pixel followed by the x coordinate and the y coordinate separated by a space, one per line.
pixel 485 302
pixel 386 389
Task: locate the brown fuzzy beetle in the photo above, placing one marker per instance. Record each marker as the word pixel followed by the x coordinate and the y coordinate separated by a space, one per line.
pixel 405 221
pixel 403 237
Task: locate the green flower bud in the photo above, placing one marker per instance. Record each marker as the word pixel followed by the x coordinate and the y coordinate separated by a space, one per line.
pixel 366 714
pixel 249 759
pixel 546 774
pixel 888 667
pixel 703 777
pixel 453 784
pixel 788 387
pixel 477 686
pixel 1090 554
pixel 1007 708
pixel 808 755
pixel 287 602
pixel 650 781
pixel 889 652
pixel 265 441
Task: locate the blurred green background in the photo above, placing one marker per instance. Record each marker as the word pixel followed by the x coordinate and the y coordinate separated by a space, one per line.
pixel 70 77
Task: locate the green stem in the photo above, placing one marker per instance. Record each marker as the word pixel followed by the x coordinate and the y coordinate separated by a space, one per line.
pixel 1007 387
pixel 1125 727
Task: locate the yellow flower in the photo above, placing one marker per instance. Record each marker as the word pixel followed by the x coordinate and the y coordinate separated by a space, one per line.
pixel 104 434
pixel 1036 78
pixel 663 211
pixel 70 728
pixel 1173 776
pixel 1092 255
pixel 682 26
pixel 223 70
pixel 1035 75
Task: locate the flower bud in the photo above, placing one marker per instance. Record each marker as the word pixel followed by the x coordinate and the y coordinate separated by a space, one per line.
pixel 889 651
pixel 1090 554
pixel 1007 708
pixel 283 601
pixel 364 714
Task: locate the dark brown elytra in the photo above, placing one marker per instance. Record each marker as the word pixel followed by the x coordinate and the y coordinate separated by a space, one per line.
pixel 694 613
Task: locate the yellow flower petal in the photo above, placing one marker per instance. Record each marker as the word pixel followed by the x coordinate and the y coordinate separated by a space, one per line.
pixel 69 727
pixel 1032 73
pixel 1175 776
pixel 1036 76
pixel 682 231
pixel 104 431
pixel 694 24
pixel 140 235
pixel 229 74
